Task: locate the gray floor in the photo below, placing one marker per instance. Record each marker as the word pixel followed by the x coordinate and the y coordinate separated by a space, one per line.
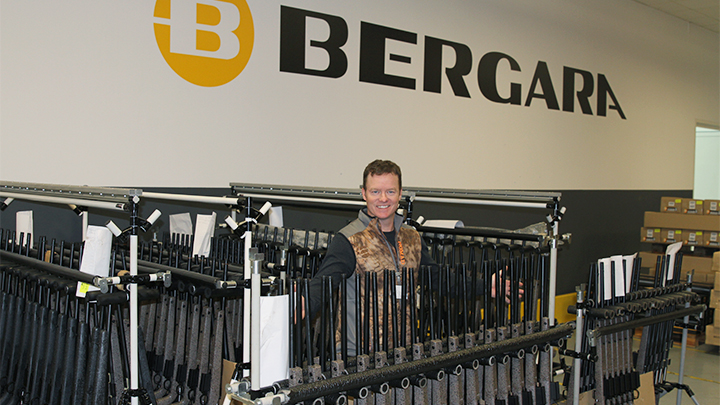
pixel 702 374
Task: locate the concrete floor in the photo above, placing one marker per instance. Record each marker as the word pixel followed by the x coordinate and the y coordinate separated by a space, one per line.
pixel 702 374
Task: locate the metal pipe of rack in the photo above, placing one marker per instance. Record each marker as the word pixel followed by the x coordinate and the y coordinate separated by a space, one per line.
pixel 64 200
pixel 303 200
pixel 507 195
pixel 68 191
pixel 311 196
pixel 498 198
pixel 594 334
pixel 191 198
pixel 323 195
pixel 482 232
pixel 469 201
pixel 205 279
pixel 95 197
pixel 51 268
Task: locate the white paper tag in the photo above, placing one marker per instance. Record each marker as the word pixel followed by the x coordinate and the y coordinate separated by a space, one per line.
pixel 629 264
pixel 96 255
pixel 24 224
pixel 276 217
pixel 619 282
pixel 671 251
pixel 181 224
pixel 274 346
pixel 83 288
pixel 204 231
pixel 606 279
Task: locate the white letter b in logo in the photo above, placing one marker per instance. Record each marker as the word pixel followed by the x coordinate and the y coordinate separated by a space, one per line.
pixel 206 42
pixel 184 29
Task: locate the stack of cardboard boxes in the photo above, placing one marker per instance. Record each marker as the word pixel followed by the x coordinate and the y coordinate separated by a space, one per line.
pixel 690 221
pixel 712 332
pixel 695 223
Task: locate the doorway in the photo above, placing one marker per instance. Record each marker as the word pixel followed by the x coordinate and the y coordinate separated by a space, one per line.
pixel 707 163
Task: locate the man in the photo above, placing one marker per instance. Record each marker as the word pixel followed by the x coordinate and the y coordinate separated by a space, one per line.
pixel 377 240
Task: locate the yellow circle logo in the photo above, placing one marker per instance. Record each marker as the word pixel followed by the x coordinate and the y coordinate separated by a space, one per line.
pixel 206 42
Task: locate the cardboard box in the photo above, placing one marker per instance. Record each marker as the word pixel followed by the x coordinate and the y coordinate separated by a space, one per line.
pixel 671 235
pixel 682 221
pixel 716 261
pixel 716 284
pixel 650 235
pixel 711 239
pixel 716 317
pixel 692 206
pixel 712 334
pixel 714 301
pixel 646 391
pixel 712 207
pixel 649 261
pixel 671 204
pixel 701 265
pixel 692 238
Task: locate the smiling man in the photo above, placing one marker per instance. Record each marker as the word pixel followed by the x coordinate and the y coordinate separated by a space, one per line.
pixel 377 240
pixel 381 191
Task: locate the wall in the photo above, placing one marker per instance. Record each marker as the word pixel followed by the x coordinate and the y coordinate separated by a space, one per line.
pixel 88 98
pixel 91 94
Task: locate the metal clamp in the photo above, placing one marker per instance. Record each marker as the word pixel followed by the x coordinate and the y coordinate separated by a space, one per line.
pixel 104 283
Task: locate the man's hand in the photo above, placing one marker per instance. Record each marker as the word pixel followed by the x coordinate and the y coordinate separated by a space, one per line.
pixel 508 286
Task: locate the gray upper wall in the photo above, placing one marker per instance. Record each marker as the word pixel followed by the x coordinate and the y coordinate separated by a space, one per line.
pixel 480 94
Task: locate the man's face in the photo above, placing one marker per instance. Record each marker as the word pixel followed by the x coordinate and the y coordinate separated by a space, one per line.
pixel 382 195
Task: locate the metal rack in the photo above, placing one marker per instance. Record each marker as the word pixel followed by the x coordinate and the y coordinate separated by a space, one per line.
pixel 82 197
pixel 549 201
pixel 244 195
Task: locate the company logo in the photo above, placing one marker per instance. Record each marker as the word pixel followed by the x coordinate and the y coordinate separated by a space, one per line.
pixel 579 87
pixel 206 42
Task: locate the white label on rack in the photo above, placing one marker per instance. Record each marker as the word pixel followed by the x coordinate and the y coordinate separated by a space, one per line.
pixel 691 205
pixel 274 345
pixel 713 236
pixel 604 264
pixel 24 224
pixel 83 288
pixel 629 264
pixel 649 233
pixel 619 282
pixel 672 251
pixel 713 206
pixel 691 237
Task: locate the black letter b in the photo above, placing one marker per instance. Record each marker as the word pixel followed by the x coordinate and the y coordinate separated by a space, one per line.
pixel 292 42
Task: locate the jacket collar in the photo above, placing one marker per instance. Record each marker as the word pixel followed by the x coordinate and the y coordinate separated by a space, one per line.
pixel 365 218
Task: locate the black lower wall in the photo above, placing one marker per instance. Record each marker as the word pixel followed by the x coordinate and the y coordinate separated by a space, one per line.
pixel 602 222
